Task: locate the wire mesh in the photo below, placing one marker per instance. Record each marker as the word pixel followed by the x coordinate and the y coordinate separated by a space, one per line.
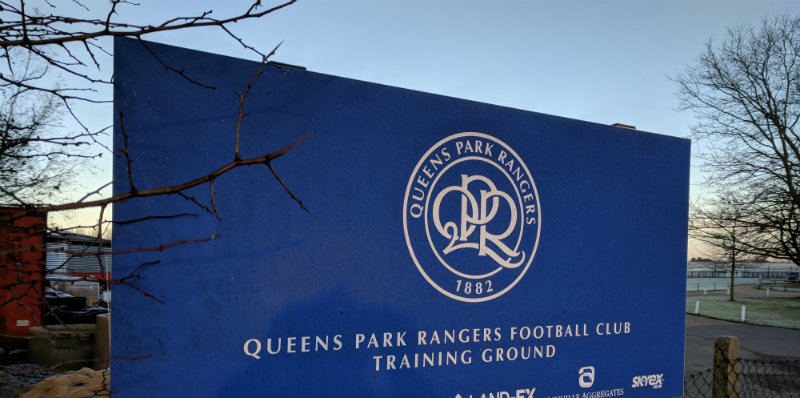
pixel 756 379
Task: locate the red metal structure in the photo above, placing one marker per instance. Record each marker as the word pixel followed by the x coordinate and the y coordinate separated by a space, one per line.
pixel 22 271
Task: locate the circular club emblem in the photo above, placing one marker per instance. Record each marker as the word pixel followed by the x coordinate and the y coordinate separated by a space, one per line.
pixel 471 217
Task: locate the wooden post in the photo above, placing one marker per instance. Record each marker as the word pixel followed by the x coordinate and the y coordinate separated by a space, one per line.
pixel 102 342
pixel 726 367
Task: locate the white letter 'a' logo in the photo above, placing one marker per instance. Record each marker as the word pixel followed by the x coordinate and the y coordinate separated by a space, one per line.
pixel 471 217
pixel 586 376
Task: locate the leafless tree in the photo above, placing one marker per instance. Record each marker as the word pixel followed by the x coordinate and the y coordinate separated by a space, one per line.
pixel 720 225
pixel 745 91
pixel 35 163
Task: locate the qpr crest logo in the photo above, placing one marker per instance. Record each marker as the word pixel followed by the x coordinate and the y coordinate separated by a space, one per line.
pixel 471 217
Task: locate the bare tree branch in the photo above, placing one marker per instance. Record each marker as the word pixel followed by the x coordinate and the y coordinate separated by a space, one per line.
pixel 39 48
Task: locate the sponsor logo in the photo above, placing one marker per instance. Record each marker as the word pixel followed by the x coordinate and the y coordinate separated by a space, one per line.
pixel 518 393
pixel 655 381
pixel 586 376
pixel 471 217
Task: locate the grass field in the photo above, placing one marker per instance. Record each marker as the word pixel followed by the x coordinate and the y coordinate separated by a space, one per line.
pixel 771 311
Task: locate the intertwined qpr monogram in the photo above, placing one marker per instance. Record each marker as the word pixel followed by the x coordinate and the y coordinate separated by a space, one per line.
pixel 471 217
pixel 478 213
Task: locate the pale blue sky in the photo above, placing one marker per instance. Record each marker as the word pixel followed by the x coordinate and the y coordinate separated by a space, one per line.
pixel 600 61
pixel 603 61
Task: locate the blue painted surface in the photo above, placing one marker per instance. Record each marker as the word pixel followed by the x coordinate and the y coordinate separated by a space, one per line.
pixel 611 248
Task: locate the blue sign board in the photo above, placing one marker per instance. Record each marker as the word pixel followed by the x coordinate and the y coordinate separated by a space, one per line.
pixel 450 249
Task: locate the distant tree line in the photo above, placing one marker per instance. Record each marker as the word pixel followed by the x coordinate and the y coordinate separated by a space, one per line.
pixel 708 260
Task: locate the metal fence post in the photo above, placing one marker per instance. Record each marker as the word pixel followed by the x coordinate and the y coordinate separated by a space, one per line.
pixel 726 367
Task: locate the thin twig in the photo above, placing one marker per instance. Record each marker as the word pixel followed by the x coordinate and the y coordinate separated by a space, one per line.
pixel 126 152
pixel 286 188
pixel 213 201
pixel 169 67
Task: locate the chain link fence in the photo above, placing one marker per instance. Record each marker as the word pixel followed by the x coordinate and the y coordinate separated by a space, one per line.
pixel 745 378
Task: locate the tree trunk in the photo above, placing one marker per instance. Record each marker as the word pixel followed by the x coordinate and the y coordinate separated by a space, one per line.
pixel 733 272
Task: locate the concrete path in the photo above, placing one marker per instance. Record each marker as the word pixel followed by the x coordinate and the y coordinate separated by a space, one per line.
pixel 755 342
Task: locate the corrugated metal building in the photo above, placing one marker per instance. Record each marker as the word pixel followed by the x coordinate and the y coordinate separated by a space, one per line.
pixel 77 255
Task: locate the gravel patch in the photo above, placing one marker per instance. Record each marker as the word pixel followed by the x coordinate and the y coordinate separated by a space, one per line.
pixel 16 379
